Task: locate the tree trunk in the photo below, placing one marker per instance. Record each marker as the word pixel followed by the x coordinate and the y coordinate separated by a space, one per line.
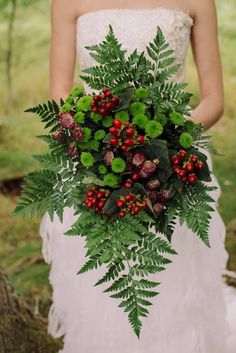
pixel 10 50
pixel 20 330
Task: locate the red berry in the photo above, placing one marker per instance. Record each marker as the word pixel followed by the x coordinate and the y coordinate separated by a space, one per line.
pixel 114 130
pixel 109 106
pixel 101 204
pixel 109 95
pixel 90 192
pixel 182 153
pixel 122 214
pixel 105 90
pixel 194 159
pixel 97 98
pixel 103 111
pixel 135 176
pixel 181 173
pixel 128 184
pixel 124 148
pixel 199 165
pixel 175 160
pixel 117 123
pixel 96 110
pixel 94 104
pixel 144 203
pixel 120 203
pixel 176 168
pixel 100 194
pixel 89 204
pixel 189 167
pixel 114 141
pixel 126 124
pixel 128 197
pixel 137 209
pixel 115 100
pixel 94 200
pixel 129 142
pixel 130 131
pixel 140 139
pixel 107 194
pixel 192 178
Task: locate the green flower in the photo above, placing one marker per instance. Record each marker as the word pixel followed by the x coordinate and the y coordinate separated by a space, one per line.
pixel 95 117
pixel 154 129
pixel 87 159
pixel 110 180
pixel 99 135
pixel 118 165
pixel 83 145
pixel 79 117
pixel 161 118
pixel 94 145
pixel 102 169
pixel 69 100
pixel 122 115
pixel 77 91
pixel 186 140
pixel 84 103
pixel 87 134
pixel 137 108
pixel 65 108
pixel 140 120
pixel 107 121
pixel 177 118
pixel 141 93
pixel 189 125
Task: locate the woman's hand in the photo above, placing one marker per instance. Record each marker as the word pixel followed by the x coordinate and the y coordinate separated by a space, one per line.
pixel 205 49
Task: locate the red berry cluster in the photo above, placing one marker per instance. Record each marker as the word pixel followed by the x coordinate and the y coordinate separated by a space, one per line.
pixel 124 135
pixel 186 166
pixel 104 103
pixel 97 197
pixel 131 204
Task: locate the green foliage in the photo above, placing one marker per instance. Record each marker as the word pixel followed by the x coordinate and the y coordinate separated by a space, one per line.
pixel 116 71
pixel 131 252
pixel 48 114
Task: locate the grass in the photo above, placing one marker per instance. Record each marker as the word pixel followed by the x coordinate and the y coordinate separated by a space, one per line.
pixel 20 244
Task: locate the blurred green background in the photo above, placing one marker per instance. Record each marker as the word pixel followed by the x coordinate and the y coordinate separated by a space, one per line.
pixel 20 244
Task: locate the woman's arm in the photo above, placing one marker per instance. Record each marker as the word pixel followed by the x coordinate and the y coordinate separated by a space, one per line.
pixel 63 48
pixel 206 54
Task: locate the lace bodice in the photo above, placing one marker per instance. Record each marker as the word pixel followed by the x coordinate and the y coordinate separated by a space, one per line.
pixel 135 28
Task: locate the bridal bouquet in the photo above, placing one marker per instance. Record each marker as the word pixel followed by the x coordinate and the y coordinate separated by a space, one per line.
pixel 130 163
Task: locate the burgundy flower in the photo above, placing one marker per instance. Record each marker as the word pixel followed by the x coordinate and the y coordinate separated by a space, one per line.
pixel 67 120
pixel 153 184
pixel 108 158
pixel 152 195
pixel 77 133
pixel 147 169
pixel 57 135
pixel 166 194
pixel 138 159
pixel 158 207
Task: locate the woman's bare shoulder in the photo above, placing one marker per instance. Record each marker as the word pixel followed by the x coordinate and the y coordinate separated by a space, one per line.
pixel 67 8
pixel 203 7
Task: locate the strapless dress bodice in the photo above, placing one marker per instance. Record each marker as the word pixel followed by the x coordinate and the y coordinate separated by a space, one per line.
pixel 134 28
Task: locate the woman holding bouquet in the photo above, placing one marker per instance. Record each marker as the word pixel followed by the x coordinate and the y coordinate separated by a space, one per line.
pixel 189 314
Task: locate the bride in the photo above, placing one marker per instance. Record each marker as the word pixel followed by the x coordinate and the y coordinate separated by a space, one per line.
pixel 189 314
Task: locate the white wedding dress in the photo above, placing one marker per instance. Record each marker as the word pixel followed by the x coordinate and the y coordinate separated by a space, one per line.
pixel 190 313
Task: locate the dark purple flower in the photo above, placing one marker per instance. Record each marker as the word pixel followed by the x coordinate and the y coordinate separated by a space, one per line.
pixel 157 208
pixel 153 184
pixel 138 159
pixel 108 158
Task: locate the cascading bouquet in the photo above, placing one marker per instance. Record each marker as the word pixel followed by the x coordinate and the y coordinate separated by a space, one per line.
pixel 130 163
